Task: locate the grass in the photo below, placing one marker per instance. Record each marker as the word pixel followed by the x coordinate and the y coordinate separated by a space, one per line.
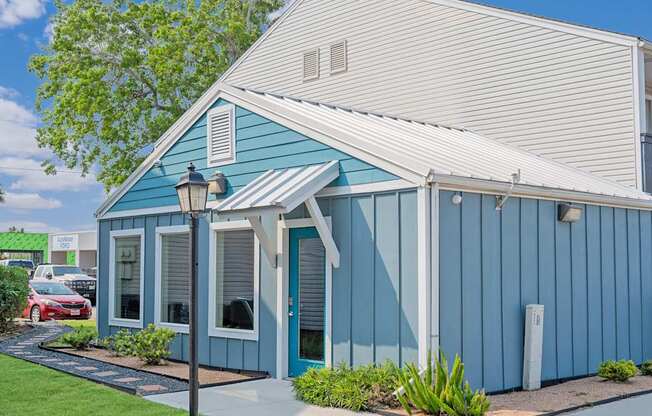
pixel 78 323
pixel 30 389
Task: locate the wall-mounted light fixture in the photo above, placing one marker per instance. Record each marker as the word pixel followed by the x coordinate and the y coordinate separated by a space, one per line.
pixel 217 183
pixel 568 213
pixel 456 199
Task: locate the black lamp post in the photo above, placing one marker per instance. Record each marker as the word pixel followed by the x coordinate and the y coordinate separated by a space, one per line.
pixel 192 191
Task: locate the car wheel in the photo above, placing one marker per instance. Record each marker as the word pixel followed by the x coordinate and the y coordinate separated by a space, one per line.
pixel 35 314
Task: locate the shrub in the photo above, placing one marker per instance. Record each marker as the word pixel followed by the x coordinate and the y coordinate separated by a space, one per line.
pixel 14 290
pixel 646 368
pixel 120 344
pixel 437 391
pixel 619 371
pixel 362 388
pixel 152 344
pixel 80 338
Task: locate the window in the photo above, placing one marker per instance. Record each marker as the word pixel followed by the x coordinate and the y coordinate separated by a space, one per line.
pixel 173 277
pixel 63 270
pixel 648 115
pixel 126 278
pixel 233 281
pixel 220 135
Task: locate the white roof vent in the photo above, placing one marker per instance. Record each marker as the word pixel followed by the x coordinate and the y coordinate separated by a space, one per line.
pixel 311 64
pixel 220 135
pixel 338 57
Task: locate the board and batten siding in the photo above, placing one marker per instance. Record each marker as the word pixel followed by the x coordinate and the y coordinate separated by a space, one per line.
pixel 374 292
pixel 594 278
pixel 560 95
pixel 260 145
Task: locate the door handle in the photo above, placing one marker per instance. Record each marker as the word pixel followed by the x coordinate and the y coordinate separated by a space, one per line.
pixel 290 314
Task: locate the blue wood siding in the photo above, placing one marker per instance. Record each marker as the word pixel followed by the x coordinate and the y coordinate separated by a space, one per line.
pixel 374 315
pixel 594 278
pixel 260 145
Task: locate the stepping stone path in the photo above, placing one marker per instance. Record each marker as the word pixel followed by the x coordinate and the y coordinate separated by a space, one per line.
pixel 27 347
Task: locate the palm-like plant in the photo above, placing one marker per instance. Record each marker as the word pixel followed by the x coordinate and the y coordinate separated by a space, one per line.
pixel 436 391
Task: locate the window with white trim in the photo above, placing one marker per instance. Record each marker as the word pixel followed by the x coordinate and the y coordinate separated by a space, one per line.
pixel 234 278
pixel 220 135
pixel 173 277
pixel 126 278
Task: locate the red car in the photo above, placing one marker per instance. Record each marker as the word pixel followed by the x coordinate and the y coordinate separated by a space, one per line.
pixel 52 300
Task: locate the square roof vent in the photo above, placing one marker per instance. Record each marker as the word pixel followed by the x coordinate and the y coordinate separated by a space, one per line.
pixel 311 64
pixel 338 57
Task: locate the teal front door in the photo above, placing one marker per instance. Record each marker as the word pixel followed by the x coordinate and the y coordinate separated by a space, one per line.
pixel 306 300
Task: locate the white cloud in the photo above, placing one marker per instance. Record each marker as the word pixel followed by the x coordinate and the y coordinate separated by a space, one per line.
pixel 48 32
pixel 14 12
pixel 29 176
pixel 8 92
pixel 29 226
pixel 17 128
pixel 29 201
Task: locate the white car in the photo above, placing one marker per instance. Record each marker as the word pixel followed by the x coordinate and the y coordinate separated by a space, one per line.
pixel 71 276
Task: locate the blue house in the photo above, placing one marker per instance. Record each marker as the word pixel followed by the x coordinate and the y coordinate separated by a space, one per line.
pixel 349 235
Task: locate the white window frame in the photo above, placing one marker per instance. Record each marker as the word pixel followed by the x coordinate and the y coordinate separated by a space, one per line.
pixel 213 330
pixel 226 108
pixel 160 232
pixel 113 321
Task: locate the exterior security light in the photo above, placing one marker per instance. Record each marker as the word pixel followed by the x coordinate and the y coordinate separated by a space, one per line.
pixel 217 184
pixel 456 199
pixel 569 213
pixel 192 191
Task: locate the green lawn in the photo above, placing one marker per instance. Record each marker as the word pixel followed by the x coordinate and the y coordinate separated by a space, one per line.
pixel 30 389
pixel 76 323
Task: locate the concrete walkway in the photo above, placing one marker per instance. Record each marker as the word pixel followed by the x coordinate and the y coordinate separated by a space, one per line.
pixel 639 405
pixel 269 397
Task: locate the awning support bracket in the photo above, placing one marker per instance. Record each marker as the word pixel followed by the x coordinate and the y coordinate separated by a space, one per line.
pixel 268 245
pixel 324 231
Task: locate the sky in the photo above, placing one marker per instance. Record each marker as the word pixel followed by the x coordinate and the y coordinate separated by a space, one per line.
pixel 67 201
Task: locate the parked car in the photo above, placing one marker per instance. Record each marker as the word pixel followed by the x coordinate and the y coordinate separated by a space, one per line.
pixel 53 300
pixel 25 264
pixel 71 276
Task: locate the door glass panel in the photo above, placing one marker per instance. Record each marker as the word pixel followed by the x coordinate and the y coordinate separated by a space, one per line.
pixel 311 299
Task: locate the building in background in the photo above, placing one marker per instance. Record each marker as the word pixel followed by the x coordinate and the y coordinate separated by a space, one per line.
pixel 78 248
pixel 22 245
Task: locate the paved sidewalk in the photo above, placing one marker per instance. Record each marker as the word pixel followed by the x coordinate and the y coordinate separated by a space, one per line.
pixel 269 397
pixel 639 405
pixel 26 347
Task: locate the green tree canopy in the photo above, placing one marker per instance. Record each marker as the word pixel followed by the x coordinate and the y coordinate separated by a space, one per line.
pixel 117 74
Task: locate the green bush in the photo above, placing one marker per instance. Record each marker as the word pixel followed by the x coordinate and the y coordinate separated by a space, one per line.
pixel 646 368
pixel 120 344
pixel 152 344
pixel 619 371
pixel 80 338
pixel 437 391
pixel 14 289
pixel 362 388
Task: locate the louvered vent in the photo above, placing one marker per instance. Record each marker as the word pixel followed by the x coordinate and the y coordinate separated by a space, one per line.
pixel 220 136
pixel 311 65
pixel 338 57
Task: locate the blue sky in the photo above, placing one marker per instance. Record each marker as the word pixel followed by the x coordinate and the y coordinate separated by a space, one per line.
pixel 66 202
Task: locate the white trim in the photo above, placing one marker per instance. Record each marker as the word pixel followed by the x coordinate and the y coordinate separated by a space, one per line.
pixel 587 32
pixel 97 268
pixel 638 84
pixel 332 252
pixel 214 331
pixel 230 110
pixel 165 209
pixel 282 288
pixel 434 271
pixel 393 185
pixel 423 272
pixel 113 321
pixel 158 258
pixel 266 243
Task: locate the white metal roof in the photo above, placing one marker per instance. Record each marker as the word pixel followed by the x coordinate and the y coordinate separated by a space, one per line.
pixel 435 151
pixel 280 190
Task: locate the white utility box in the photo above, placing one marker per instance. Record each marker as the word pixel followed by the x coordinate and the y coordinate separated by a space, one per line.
pixel 533 348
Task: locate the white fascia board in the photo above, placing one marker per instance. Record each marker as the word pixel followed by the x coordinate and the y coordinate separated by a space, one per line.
pixel 638 92
pixel 456 183
pixel 570 28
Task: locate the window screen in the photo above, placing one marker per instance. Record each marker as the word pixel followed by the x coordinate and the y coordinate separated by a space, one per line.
pixel 234 297
pixel 127 278
pixel 175 278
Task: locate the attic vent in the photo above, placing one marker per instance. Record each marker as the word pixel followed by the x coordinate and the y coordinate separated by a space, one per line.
pixel 311 65
pixel 338 57
pixel 220 136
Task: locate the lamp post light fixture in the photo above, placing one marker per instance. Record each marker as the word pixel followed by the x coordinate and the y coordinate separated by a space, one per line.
pixel 192 191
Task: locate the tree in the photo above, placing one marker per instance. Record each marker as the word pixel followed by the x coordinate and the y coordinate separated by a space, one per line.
pixel 14 229
pixel 117 74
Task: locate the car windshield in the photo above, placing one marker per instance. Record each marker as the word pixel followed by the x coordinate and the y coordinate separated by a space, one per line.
pixel 51 289
pixel 21 263
pixel 61 270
